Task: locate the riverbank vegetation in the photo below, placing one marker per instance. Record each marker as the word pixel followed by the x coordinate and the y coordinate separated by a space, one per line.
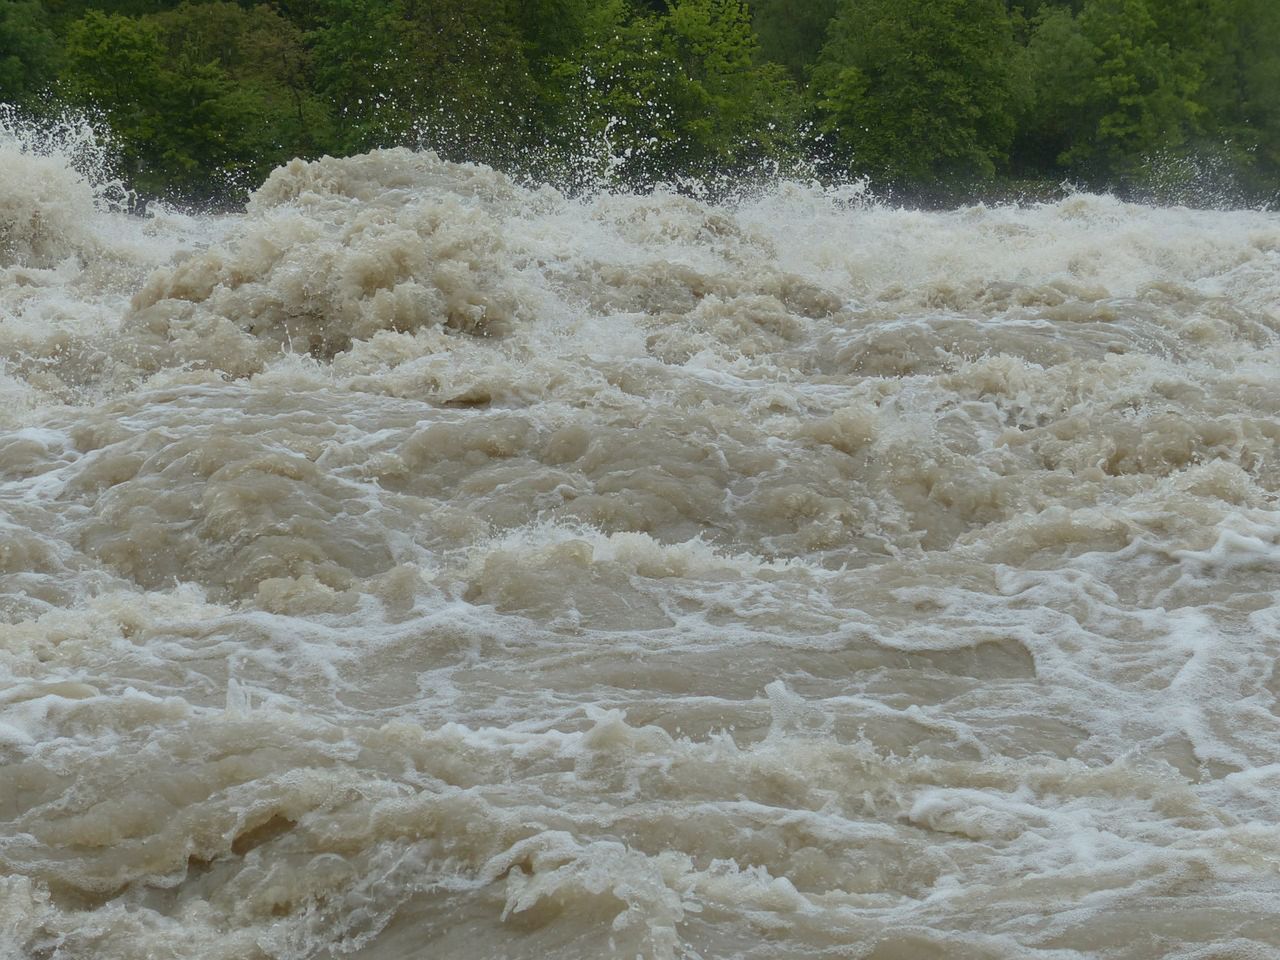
pixel 934 99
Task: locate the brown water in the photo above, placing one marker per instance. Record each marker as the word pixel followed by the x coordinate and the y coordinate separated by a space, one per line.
pixel 420 565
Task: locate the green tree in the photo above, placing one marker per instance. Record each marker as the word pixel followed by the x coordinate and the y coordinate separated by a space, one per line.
pixel 1062 64
pixel 1112 85
pixel 207 94
pixel 185 127
pixel 792 33
pixel 1029 9
pixel 65 11
pixel 1242 75
pixel 748 105
pixel 358 49
pixel 28 50
pixel 1256 120
pixel 265 57
pixel 1142 92
pixel 452 70
pixel 554 29
pixel 919 91
pixel 678 93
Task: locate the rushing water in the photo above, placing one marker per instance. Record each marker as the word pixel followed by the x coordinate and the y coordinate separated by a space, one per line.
pixel 419 565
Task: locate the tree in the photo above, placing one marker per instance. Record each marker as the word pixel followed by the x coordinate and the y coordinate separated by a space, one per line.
pixel 791 33
pixel 919 91
pixel 1114 85
pixel 1242 75
pixel 1142 92
pixel 396 70
pixel 1062 64
pixel 28 50
pixel 66 11
pixel 749 106
pixel 185 127
pixel 681 93
pixel 936 96
pixel 554 29
pixel 265 58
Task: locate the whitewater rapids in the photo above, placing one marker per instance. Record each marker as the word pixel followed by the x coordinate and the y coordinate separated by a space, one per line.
pixel 424 565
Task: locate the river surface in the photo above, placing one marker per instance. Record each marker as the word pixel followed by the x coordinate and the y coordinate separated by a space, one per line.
pixel 423 565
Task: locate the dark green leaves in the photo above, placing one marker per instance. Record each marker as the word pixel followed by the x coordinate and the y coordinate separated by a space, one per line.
pixel 939 97
pixel 919 91
pixel 28 50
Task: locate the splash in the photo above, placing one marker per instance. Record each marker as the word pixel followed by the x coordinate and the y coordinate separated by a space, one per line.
pixel 70 256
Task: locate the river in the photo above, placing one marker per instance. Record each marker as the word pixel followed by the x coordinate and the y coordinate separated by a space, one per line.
pixel 420 564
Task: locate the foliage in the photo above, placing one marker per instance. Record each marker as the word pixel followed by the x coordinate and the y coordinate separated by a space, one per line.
pixel 1143 92
pixel 392 69
pixel 792 34
pixel 191 106
pixel 677 93
pixel 919 91
pixel 1242 77
pixel 28 50
pixel 205 96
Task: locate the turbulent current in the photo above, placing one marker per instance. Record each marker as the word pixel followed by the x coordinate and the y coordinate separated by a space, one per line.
pixel 420 564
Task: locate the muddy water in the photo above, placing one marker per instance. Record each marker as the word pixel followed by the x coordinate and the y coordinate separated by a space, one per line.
pixel 419 565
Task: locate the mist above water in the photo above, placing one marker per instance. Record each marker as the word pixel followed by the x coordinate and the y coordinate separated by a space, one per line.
pixel 423 564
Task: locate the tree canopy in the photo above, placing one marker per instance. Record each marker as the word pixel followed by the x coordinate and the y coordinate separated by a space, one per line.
pixel 938 97
pixel 919 90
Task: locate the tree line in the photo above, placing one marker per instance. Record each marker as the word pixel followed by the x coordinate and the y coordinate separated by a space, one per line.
pixel 937 98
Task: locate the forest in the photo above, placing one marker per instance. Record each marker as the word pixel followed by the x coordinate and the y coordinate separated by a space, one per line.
pixel 934 100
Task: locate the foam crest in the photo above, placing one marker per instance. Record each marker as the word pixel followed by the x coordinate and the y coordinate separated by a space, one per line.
pixel 55 184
